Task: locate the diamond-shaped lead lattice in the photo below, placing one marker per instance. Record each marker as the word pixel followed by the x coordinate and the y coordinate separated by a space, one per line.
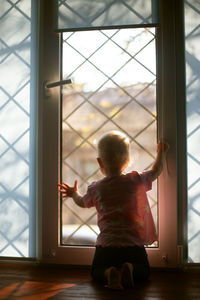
pixel 111 100
pixel 90 14
pixel 192 42
pixel 15 41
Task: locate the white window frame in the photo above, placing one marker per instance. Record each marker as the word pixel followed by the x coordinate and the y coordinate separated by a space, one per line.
pixel 49 249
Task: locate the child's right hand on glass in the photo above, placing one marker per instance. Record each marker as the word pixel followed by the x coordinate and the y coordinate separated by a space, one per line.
pixel 162 146
pixel 157 167
pixel 66 190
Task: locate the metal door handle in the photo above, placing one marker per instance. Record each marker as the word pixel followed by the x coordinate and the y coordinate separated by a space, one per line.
pixel 57 83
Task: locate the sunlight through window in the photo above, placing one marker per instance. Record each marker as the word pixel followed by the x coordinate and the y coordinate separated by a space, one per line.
pixel 114 88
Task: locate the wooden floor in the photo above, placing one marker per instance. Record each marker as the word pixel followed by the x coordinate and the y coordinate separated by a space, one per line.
pixel 28 282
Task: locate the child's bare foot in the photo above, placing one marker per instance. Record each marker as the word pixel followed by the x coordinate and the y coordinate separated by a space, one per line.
pixel 127 275
pixel 113 278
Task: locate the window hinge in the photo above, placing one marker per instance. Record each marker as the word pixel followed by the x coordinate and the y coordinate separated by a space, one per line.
pixel 180 254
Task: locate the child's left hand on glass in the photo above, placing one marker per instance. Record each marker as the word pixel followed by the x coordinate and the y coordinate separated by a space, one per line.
pixel 66 190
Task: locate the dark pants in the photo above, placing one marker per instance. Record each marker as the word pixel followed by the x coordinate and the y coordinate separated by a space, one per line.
pixel 106 257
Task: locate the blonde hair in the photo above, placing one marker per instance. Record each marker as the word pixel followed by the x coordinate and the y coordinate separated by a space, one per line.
pixel 113 149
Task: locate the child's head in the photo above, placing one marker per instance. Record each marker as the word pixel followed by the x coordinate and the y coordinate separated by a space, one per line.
pixel 113 151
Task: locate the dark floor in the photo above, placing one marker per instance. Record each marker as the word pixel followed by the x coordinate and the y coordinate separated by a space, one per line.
pixel 28 282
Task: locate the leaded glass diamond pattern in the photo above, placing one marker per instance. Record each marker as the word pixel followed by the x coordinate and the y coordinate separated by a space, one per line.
pixel 114 88
pixel 15 37
pixel 192 42
pixel 77 14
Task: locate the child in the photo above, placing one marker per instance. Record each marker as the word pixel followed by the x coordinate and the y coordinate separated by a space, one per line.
pixel 124 216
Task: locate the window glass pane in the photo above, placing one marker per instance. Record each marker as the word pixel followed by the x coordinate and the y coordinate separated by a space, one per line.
pixel 114 88
pixel 78 14
pixel 192 53
pixel 17 212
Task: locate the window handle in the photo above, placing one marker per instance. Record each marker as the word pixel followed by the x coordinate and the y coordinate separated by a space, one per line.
pixel 57 83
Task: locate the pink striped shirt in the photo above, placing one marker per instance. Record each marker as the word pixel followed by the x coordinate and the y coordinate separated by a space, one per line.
pixel 123 212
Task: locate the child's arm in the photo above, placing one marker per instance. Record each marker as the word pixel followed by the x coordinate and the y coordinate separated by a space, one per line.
pixel 156 170
pixel 72 192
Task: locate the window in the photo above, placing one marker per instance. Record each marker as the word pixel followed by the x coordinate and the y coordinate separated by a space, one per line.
pixel 114 88
pixel 52 248
pixel 17 123
pixel 192 37
pixel 18 133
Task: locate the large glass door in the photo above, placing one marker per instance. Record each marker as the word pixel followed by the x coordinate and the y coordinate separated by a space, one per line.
pixel 121 81
pixel 114 88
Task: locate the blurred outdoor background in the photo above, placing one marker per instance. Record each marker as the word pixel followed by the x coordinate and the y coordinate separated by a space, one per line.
pixel 114 88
